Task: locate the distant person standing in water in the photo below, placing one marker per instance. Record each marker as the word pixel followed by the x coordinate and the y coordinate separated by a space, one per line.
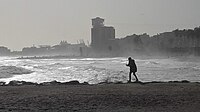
pixel 133 68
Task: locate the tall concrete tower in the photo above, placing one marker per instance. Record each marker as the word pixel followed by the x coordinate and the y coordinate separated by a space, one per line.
pixel 97 22
pixel 100 34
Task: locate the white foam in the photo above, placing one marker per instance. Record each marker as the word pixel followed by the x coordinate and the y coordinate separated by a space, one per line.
pixel 95 70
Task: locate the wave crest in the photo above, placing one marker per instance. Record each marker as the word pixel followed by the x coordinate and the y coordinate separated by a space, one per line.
pixel 14 70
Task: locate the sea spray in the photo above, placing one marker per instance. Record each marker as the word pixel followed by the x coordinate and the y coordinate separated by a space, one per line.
pixel 96 70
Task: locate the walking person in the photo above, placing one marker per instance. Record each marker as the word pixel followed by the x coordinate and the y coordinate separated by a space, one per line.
pixel 133 68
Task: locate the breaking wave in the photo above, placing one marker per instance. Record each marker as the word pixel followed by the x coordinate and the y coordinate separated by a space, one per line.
pixel 96 70
pixel 6 71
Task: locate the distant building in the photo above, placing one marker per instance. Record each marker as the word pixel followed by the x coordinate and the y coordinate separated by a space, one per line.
pixel 4 51
pixel 67 49
pixel 101 35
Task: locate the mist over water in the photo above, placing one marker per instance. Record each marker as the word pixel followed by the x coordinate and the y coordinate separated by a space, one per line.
pixel 96 70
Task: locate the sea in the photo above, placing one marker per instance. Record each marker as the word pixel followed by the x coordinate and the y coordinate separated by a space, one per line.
pixel 97 70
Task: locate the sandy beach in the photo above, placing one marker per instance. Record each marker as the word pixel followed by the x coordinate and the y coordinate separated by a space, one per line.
pixel 132 97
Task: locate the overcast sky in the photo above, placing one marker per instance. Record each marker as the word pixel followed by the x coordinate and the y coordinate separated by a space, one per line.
pixel 47 22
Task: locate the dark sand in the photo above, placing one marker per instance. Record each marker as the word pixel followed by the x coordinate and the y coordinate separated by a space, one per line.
pixel 152 97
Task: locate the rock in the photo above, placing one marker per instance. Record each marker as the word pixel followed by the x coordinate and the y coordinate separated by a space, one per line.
pixel 118 82
pixel 72 83
pixel 185 81
pixel 173 82
pixel 50 83
pixel 105 82
pixel 20 83
pixel 28 83
pixel 156 82
pixel 85 83
pixel 2 83
pixel 15 83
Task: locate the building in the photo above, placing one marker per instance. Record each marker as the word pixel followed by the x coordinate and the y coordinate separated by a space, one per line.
pixel 4 51
pixel 101 35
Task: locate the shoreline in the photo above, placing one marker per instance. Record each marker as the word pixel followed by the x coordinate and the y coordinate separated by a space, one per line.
pixel 75 82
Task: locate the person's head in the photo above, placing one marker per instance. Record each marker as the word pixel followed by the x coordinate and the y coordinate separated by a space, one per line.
pixel 129 58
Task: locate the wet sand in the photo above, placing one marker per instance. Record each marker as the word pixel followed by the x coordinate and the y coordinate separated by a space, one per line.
pixel 134 97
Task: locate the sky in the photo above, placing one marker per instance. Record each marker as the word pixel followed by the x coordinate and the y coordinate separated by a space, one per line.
pixel 24 23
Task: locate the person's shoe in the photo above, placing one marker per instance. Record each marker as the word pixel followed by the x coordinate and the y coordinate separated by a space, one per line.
pixel 129 81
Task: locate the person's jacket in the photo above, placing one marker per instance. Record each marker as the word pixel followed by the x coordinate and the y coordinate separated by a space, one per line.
pixel 132 65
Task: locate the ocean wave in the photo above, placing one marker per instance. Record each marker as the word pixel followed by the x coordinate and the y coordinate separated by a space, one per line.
pixel 152 63
pixel 55 64
pixel 65 68
pixel 14 70
pixel 196 67
pixel 96 70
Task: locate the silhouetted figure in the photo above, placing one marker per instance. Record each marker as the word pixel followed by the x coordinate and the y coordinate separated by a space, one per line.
pixel 133 68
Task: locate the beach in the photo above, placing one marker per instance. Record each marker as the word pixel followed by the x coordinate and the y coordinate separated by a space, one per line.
pixel 127 97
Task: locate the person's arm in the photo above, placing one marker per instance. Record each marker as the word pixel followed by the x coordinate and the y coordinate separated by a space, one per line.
pixel 128 64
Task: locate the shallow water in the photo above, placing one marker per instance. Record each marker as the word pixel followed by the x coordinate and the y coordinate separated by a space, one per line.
pixel 96 70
